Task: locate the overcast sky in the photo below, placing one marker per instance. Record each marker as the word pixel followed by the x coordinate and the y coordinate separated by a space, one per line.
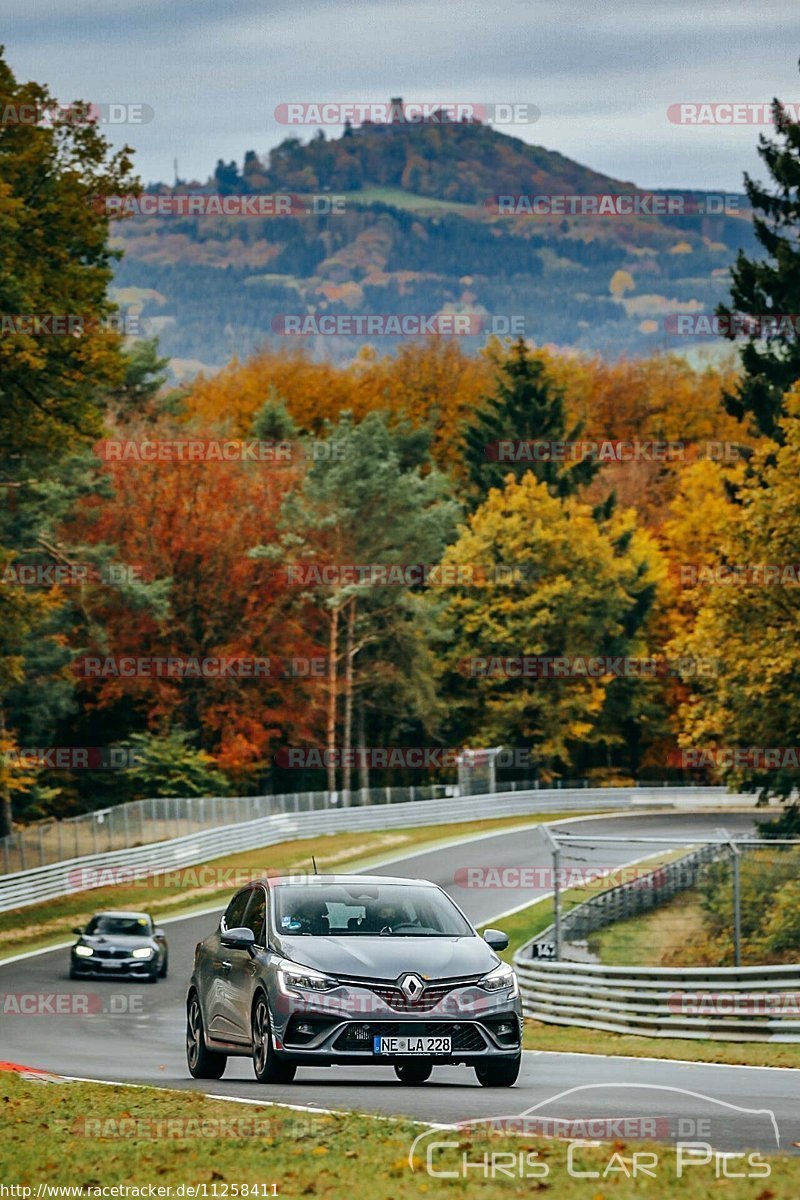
pixel 602 72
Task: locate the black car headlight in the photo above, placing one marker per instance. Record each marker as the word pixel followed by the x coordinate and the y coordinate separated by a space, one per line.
pixel 296 978
pixel 501 979
pixel 142 952
pixel 83 951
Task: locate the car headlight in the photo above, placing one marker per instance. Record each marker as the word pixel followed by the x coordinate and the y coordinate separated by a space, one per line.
pixel 304 979
pixel 501 979
pixel 142 952
pixel 83 951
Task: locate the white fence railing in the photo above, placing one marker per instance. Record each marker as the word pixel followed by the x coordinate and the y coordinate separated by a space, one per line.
pixel 732 1004
pixel 22 888
pixel 162 818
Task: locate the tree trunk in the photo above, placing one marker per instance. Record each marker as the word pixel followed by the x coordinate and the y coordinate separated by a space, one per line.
pixel 6 818
pixel 363 765
pixel 347 737
pixel 333 649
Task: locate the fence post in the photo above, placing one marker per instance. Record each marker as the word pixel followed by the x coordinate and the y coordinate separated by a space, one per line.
pixel 41 846
pixel 556 892
pixel 737 909
pixel 737 898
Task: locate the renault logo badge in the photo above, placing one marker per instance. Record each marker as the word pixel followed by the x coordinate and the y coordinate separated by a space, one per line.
pixel 412 987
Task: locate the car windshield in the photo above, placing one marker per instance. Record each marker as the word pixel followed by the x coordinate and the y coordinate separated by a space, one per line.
pixel 353 910
pixel 119 926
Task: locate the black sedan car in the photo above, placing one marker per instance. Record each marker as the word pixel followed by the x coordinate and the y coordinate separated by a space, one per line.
pixel 120 943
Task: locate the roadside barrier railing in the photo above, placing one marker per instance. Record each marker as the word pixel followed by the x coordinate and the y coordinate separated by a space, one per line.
pixel 21 888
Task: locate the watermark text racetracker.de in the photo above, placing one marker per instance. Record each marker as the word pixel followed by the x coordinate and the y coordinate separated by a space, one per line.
pixel 70 1004
pixel 216 450
pixel 72 325
pixel 404 758
pixel 408 112
pixel 44 115
pixel 728 112
pixel 398 324
pixel 612 204
pixel 759 326
pixel 764 575
pixel 750 758
pixel 529 877
pixel 586 666
pixel 212 204
pixel 609 450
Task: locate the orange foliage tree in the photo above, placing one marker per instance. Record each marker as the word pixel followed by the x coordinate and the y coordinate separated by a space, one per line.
pixel 193 525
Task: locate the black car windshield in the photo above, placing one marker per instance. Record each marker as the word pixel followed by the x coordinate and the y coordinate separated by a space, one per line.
pixel 352 910
pixel 119 926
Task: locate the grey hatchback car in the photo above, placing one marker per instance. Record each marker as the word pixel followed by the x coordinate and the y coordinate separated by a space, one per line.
pixel 352 969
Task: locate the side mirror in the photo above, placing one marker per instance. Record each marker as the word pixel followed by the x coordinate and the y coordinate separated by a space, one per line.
pixel 496 939
pixel 158 931
pixel 77 929
pixel 238 939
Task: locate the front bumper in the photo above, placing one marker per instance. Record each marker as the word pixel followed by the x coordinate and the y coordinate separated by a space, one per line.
pixel 114 967
pixel 339 1026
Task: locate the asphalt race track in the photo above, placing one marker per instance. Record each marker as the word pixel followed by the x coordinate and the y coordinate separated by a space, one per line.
pixel 138 1032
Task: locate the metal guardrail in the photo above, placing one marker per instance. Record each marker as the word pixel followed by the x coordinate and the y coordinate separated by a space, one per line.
pixel 734 1004
pixel 22 888
pixel 140 822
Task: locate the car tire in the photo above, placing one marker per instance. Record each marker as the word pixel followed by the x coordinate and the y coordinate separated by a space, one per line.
pixel 163 972
pixel 203 1063
pixel 268 1068
pixel 73 974
pixel 152 976
pixel 414 1071
pixel 498 1072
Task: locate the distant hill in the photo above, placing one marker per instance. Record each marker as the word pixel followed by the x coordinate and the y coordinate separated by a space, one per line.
pixel 421 233
pixel 462 161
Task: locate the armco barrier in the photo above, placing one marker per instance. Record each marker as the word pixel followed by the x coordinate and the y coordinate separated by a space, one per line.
pixel 59 879
pixel 732 1004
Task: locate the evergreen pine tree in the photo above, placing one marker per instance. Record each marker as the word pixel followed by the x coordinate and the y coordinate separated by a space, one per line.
pixel 769 286
pixel 527 406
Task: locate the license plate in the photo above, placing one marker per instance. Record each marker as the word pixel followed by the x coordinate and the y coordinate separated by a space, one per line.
pixel 111 966
pixel 411 1045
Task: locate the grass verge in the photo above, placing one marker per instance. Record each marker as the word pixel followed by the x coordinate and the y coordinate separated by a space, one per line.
pixel 643 940
pixel 569 1039
pixel 88 1136
pixel 40 925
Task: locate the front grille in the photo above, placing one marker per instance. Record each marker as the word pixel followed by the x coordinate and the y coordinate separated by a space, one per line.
pixel 112 953
pixel 433 994
pixel 358 1036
